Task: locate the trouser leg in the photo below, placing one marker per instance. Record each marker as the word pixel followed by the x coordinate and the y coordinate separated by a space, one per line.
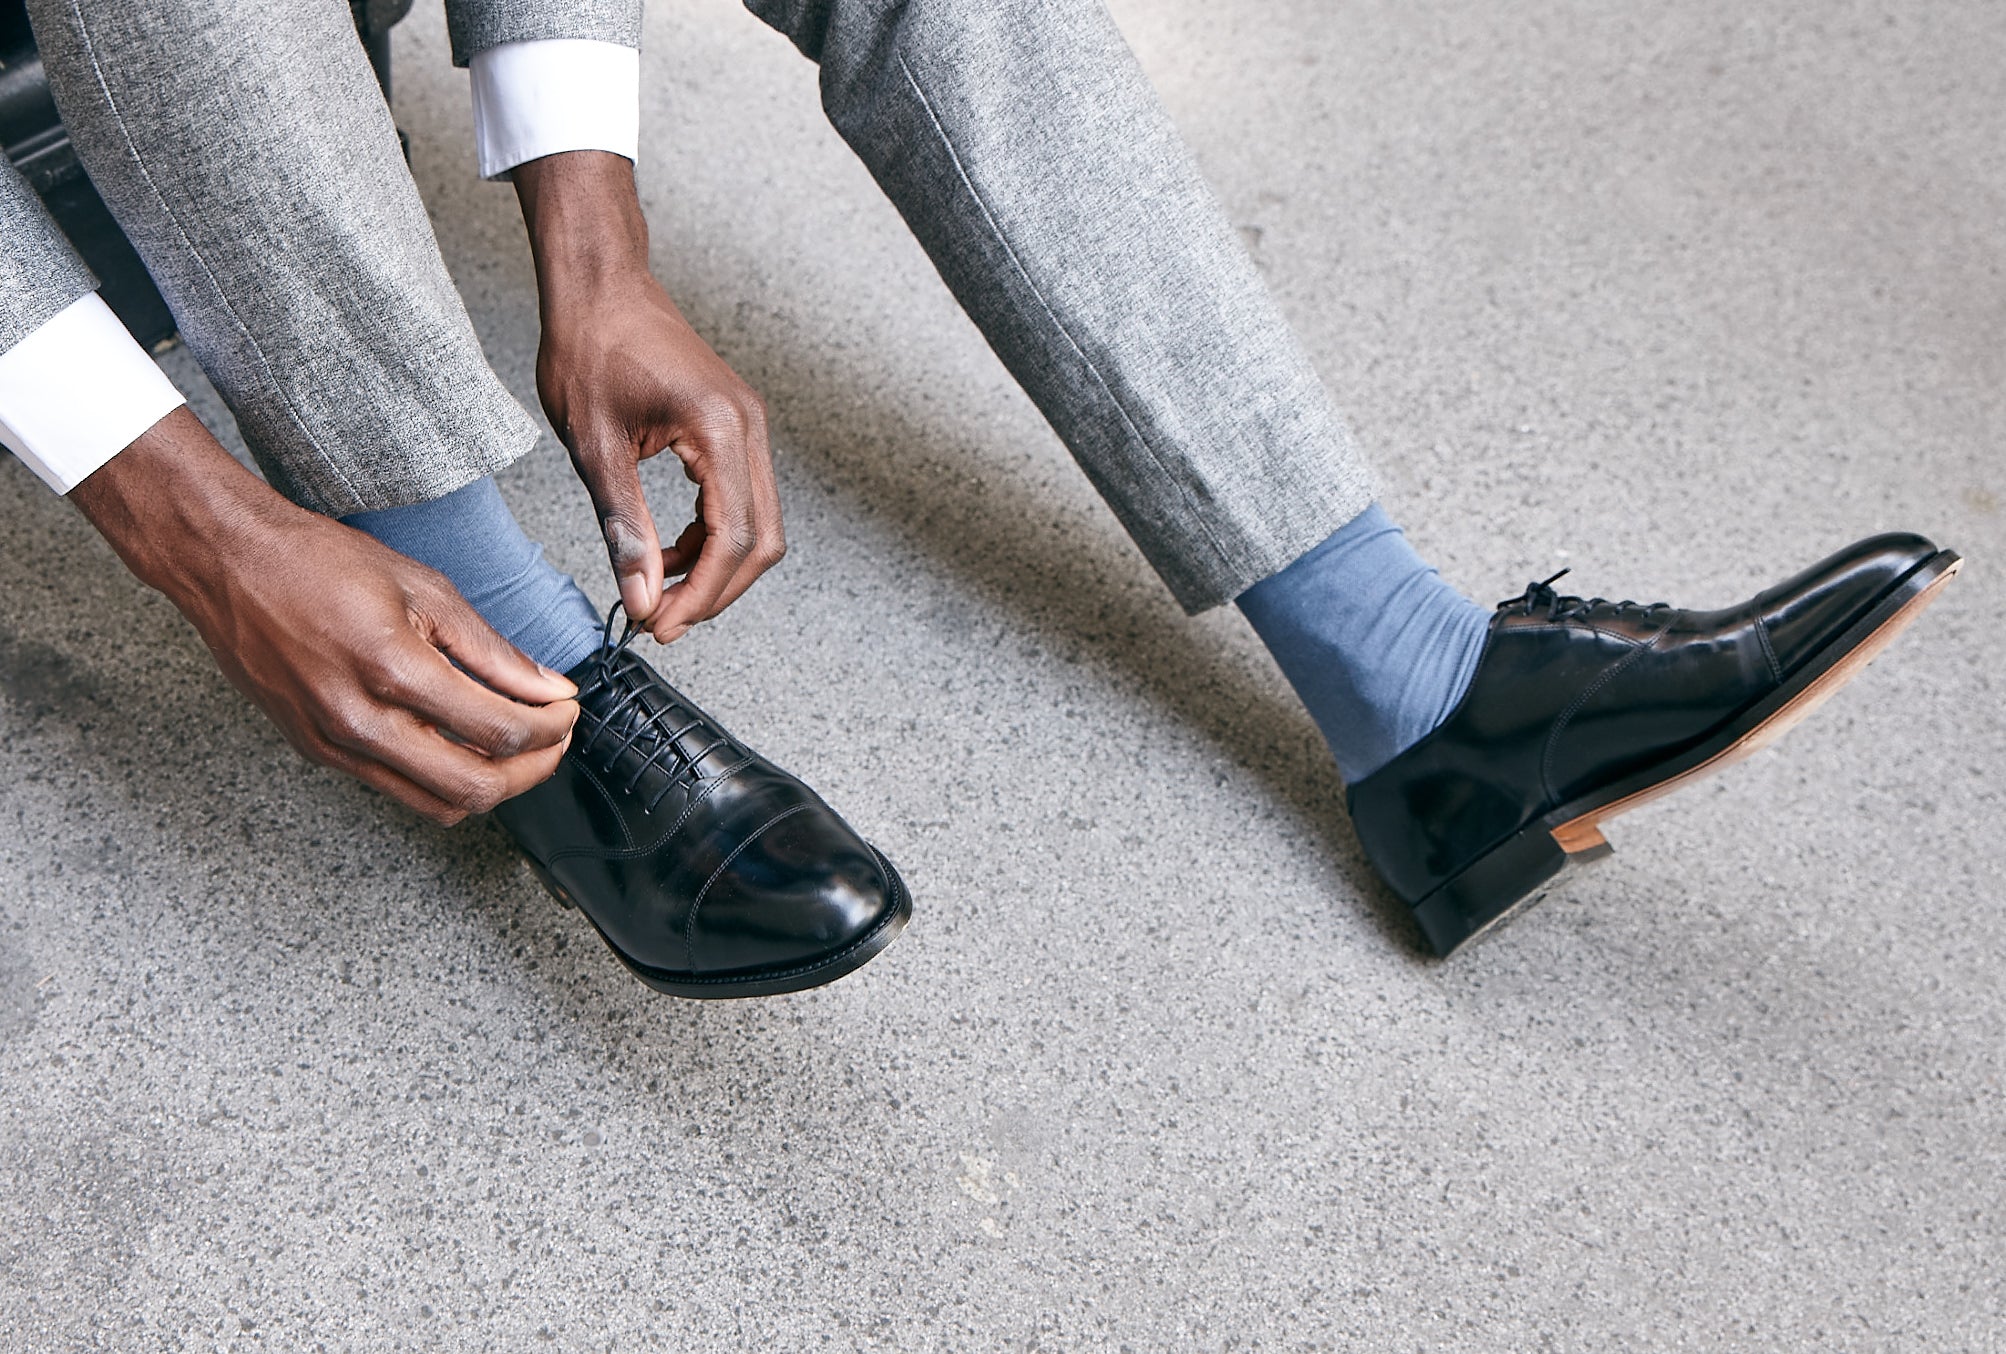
pixel 1029 155
pixel 245 148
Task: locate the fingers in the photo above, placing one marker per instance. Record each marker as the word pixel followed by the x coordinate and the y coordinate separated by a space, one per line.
pixel 414 703
pixel 414 765
pixel 393 734
pixel 435 692
pixel 738 533
pixel 682 556
pixel 384 781
pixel 446 622
pixel 414 678
pixel 463 777
pixel 611 471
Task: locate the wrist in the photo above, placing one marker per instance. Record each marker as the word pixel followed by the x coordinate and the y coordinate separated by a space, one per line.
pixel 586 229
pixel 175 506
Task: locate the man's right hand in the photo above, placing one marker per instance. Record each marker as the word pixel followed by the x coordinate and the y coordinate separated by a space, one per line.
pixel 342 641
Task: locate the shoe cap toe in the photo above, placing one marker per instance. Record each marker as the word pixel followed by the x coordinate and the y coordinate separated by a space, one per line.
pixel 801 889
pixel 1804 613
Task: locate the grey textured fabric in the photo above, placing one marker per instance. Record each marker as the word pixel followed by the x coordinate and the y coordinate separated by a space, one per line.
pixel 246 150
pixel 39 273
pixel 476 25
pixel 1030 156
pixel 1020 141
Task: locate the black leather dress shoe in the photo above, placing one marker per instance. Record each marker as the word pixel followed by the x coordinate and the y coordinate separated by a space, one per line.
pixel 1583 708
pixel 708 870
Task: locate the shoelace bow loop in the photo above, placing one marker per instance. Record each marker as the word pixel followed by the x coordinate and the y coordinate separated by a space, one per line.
pixel 1541 596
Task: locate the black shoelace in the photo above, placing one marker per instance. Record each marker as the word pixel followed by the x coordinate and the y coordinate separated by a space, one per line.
pixel 1559 607
pixel 654 733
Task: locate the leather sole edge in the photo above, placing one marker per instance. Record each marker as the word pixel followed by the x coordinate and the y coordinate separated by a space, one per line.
pixel 1500 883
pixel 828 969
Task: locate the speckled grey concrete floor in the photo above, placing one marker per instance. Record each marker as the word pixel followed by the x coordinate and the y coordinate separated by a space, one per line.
pixel 1681 295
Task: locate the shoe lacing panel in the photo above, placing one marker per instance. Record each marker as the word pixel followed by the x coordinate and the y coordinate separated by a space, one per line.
pixel 1541 597
pixel 637 725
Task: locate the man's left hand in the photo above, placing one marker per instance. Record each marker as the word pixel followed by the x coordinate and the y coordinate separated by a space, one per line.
pixel 623 377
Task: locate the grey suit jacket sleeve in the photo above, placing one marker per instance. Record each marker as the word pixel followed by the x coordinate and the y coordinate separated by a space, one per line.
pixel 39 273
pixel 477 25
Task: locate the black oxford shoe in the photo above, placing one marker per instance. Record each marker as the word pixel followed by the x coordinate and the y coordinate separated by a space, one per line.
pixel 708 870
pixel 1583 708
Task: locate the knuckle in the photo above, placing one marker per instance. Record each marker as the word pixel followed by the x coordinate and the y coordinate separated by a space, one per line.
pixel 723 416
pixel 607 471
pixel 429 602
pixel 389 676
pixel 588 447
pixel 350 724
pixel 319 749
pixel 482 791
pixel 741 534
pixel 426 586
pixel 508 739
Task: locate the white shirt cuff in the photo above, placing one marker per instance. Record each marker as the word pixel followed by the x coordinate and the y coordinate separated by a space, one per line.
pixel 550 95
pixel 77 392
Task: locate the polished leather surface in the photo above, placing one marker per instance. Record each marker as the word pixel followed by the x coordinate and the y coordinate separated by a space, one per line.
pixel 696 857
pixel 1572 695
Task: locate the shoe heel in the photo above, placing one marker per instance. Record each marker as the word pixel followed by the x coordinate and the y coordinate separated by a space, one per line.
pixel 1492 886
pixel 1583 841
pixel 555 889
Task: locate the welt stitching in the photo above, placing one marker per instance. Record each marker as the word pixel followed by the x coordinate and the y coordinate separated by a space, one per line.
pixel 700 797
pixel 118 118
pixel 626 834
pixel 1768 650
pixel 996 229
pixel 690 926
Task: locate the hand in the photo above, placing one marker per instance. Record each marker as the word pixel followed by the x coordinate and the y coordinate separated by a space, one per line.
pixel 623 377
pixel 354 659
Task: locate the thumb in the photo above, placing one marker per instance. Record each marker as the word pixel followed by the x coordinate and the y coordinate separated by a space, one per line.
pixel 612 475
pixel 456 629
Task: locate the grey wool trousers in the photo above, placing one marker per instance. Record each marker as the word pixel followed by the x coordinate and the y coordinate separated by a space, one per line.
pixel 246 150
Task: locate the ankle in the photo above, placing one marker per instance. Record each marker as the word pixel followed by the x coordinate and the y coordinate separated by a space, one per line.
pixel 1377 646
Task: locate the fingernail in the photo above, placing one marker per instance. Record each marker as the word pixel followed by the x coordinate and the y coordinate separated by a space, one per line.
pixel 634 595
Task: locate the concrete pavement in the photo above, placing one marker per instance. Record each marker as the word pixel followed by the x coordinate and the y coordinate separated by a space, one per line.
pixel 1679 296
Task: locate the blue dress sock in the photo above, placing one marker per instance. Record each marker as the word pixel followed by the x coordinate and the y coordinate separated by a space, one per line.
pixel 472 538
pixel 1378 647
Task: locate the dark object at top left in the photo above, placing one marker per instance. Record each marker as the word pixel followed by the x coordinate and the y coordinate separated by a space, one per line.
pixel 33 137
